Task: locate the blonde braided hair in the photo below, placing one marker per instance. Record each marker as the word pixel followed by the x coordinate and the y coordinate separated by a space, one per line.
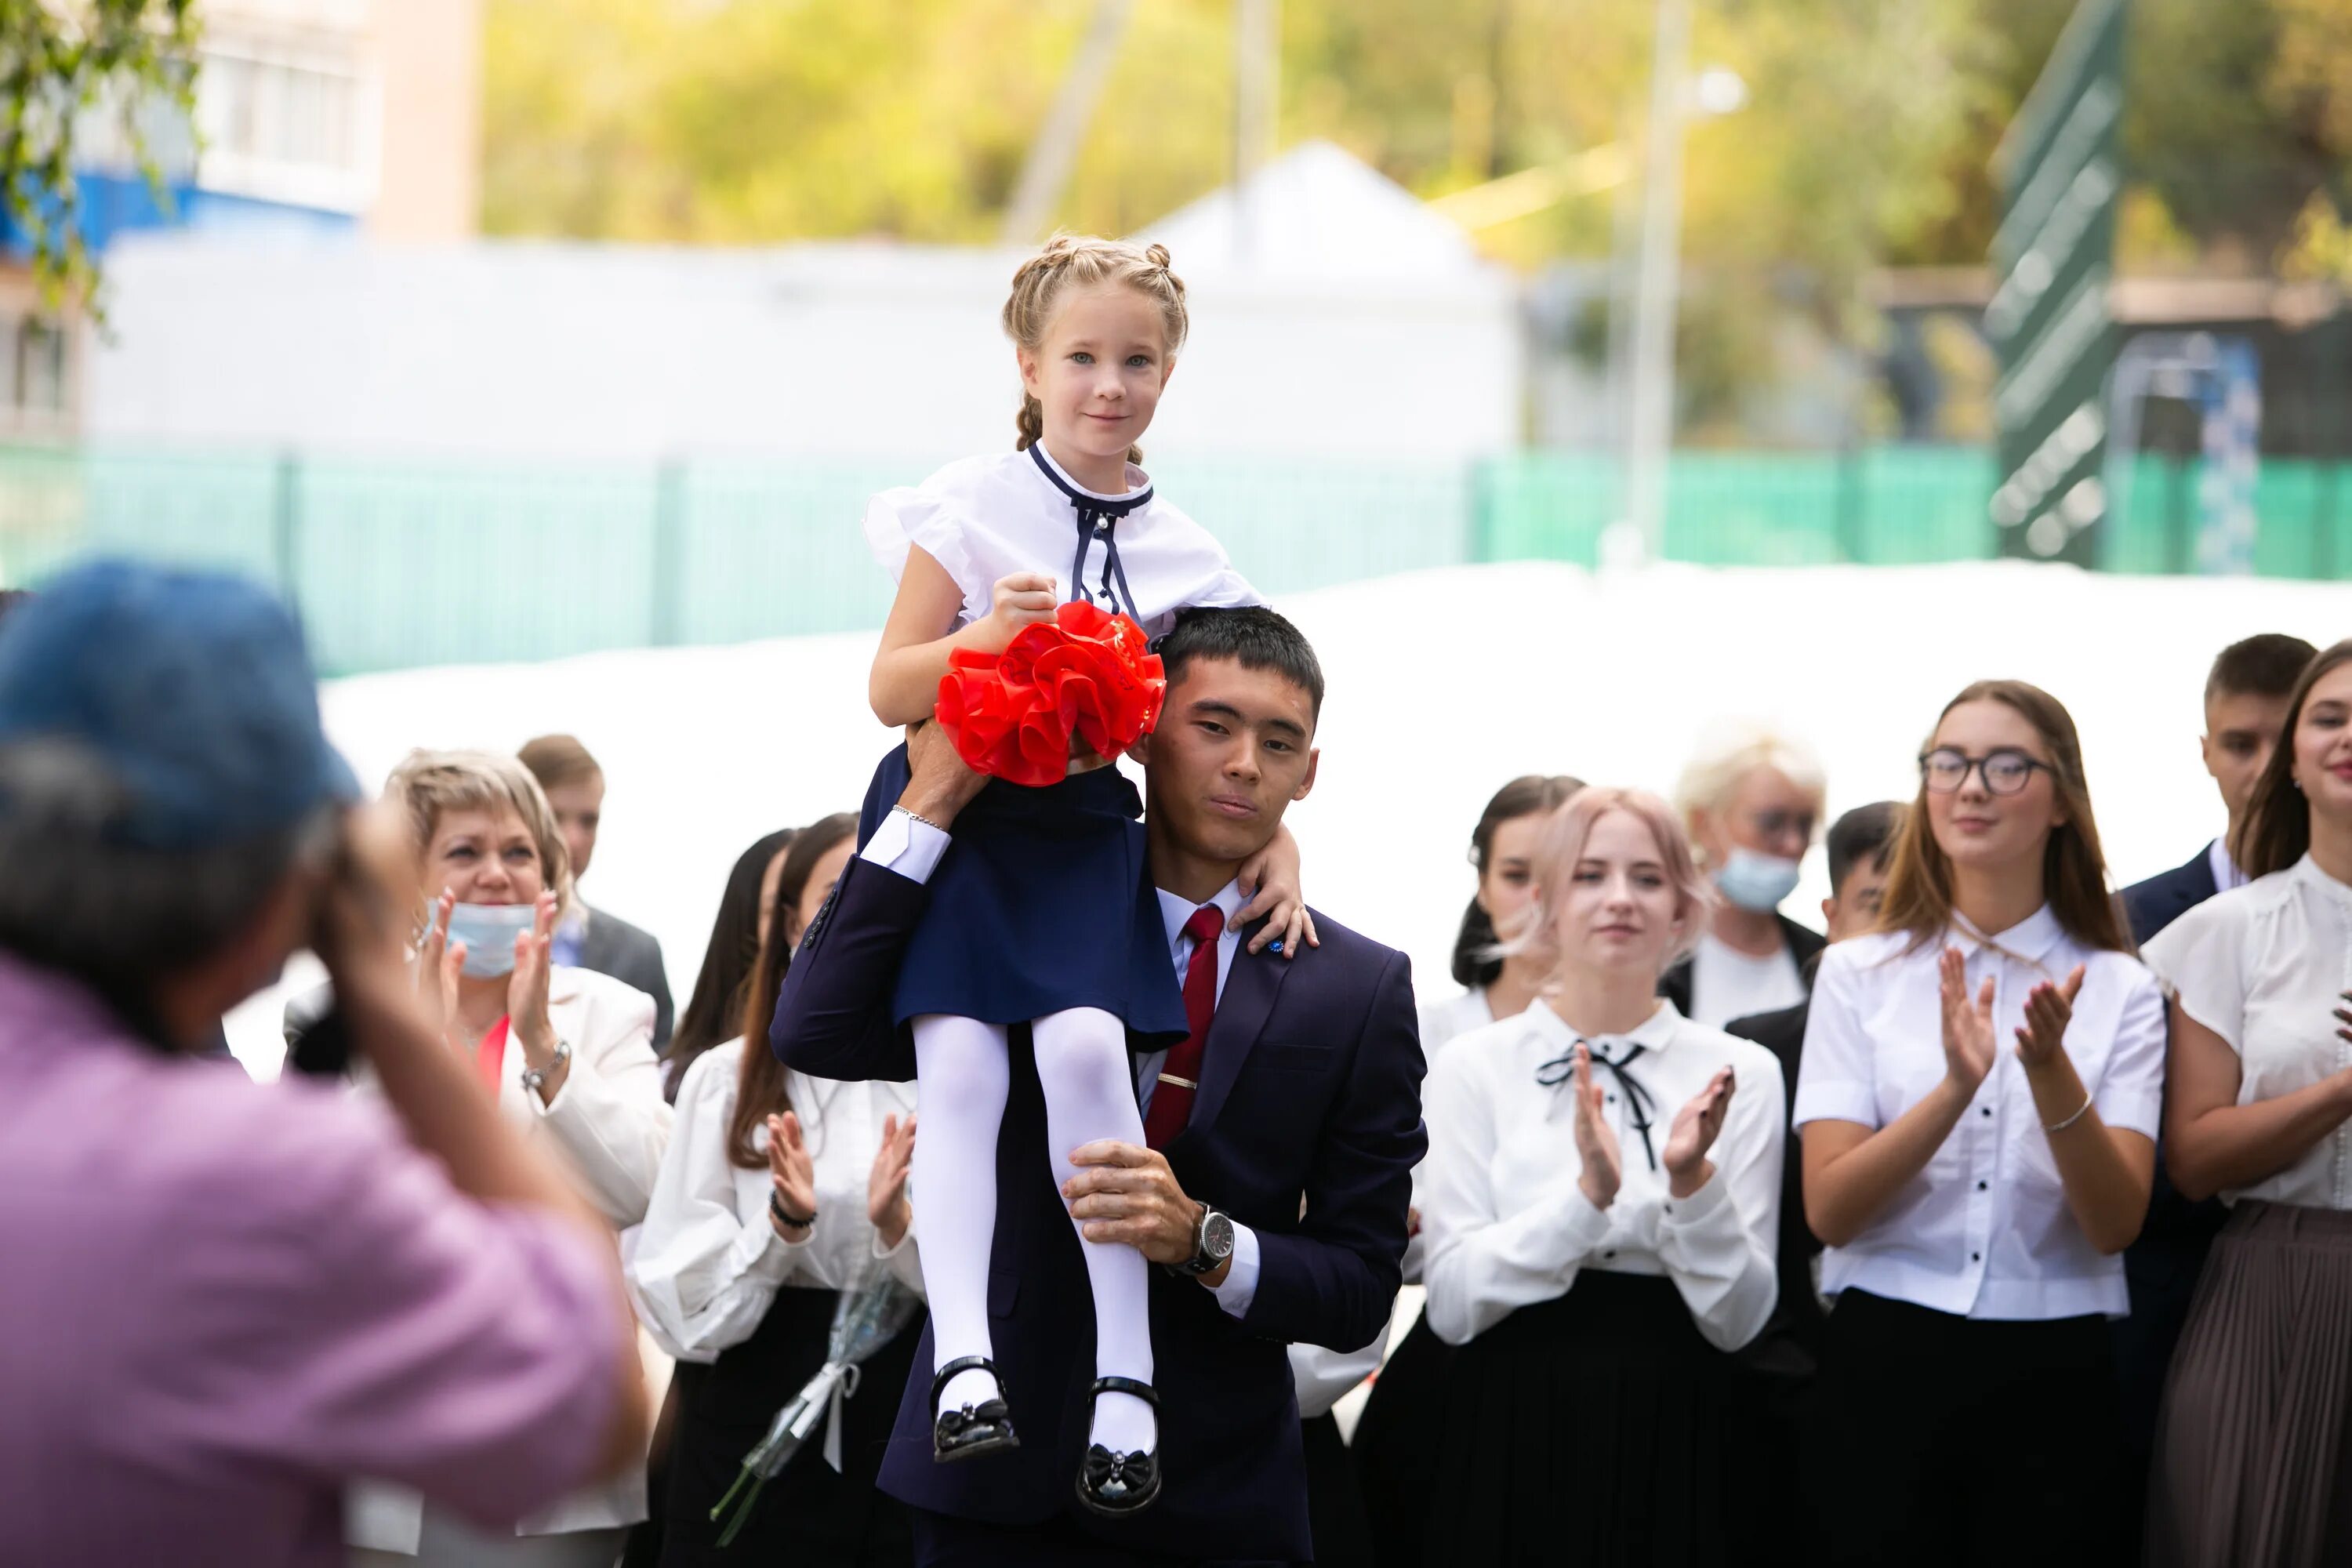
pixel 1077 260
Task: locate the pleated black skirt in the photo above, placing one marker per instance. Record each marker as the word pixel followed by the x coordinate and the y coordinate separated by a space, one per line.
pixel 1598 1428
pixel 1040 904
pixel 2254 1458
pixel 1397 1443
pixel 809 1516
pixel 1943 1441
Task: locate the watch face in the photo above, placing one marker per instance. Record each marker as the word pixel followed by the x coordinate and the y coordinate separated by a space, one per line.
pixel 1217 1238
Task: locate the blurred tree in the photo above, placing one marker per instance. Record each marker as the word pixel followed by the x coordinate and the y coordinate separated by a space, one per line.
pixel 60 61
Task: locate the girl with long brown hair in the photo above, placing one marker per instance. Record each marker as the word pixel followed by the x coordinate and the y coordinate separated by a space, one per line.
pixel 1977 1098
pixel 2252 1468
pixel 779 1192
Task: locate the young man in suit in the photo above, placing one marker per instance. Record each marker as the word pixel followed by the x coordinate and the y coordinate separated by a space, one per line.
pixel 1276 1212
pixel 594 939
pixel 2245 709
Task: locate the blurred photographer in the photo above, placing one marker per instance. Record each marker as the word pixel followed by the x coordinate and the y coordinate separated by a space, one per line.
pixel 219 1302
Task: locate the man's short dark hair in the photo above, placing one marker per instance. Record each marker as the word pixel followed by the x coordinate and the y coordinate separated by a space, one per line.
pixel 2265 665
pixel 1865 833
pixel 1253 638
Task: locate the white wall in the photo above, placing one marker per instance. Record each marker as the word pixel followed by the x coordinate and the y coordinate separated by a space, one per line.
pixel 562 351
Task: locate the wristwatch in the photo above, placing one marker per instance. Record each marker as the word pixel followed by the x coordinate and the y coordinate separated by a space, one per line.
pixel 1213 1244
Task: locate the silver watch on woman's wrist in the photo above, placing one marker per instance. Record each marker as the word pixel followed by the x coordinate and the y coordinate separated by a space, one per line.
pixel 1213 1245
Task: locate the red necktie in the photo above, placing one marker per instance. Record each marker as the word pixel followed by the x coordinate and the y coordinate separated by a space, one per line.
pixel 1180 1075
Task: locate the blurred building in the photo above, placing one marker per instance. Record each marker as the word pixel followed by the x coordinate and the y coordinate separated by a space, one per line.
pixel 1334 317
pixel 312 117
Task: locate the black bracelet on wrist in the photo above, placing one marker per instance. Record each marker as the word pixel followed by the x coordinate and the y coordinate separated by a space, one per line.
pixel 785 1218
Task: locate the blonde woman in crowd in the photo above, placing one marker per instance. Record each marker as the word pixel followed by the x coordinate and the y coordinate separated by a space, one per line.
pixel 567 1054
pixel 1750 798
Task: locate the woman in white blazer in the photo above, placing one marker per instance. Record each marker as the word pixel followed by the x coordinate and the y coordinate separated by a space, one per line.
pixel 569 1057
pixel 780 1193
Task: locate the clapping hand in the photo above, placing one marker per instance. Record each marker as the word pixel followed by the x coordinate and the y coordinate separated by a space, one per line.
pixel 1696 1126
pixel 527 990
pixel 885 1187
pixel 438 964
pixel 794 1174
pixel 1968 1025
pixel 2047 1009
pixel 1596 1142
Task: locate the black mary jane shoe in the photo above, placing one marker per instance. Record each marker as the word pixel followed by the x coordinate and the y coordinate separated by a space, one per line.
pixel 975 1429
pixel 1117 1485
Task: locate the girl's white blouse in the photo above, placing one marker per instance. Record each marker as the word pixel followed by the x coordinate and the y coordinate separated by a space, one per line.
pixel 986 518
pixel 1985 1230
pixel 1505 1224
pixel 2266 966
pixel 707 1263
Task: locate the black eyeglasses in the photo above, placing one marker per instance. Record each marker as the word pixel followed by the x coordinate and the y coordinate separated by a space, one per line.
pixel 2006 770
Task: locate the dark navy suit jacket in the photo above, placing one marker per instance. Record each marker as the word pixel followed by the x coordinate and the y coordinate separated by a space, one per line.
pixel 2162 1266
pixel 1307 1129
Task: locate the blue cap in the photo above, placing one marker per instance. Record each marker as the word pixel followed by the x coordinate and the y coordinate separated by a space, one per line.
pixel 191 689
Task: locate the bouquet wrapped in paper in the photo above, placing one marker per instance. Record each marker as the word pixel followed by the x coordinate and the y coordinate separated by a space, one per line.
pixel 866 1317
pixel 1087 672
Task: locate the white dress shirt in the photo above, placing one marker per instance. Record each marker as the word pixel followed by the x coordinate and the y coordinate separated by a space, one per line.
pixel 709 1263
pixel 1727 984
pixel 2224 867
pixel 986 518
pixel 1984 1230
pixel 1506 1225
pixel 912 849
pixel 2265 968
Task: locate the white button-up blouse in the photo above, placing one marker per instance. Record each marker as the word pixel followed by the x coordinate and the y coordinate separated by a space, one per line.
pixel 707 1263
pixel 2266 966
pixel 1984 1231
pixel 987 517
pixel 1506 1225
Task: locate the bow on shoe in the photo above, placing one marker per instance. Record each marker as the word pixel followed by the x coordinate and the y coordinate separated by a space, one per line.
pixel 1114 1477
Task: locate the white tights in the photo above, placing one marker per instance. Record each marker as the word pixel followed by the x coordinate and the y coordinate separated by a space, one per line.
pixel 962 1077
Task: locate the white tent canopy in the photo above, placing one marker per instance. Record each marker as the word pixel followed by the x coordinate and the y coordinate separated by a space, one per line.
pixel 1318 212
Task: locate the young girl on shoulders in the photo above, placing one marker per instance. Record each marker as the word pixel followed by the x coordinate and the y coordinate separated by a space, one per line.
pixel 1041 915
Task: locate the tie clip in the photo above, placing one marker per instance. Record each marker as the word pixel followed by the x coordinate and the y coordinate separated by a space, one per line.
pixel 1178 1082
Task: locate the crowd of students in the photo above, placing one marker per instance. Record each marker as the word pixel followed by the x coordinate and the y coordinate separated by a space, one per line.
pixel 2003 1221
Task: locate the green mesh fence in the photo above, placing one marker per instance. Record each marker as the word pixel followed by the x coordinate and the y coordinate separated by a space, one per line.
pixel 395 565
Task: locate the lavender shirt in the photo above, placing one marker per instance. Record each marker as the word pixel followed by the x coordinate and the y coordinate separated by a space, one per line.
pixel 220 1300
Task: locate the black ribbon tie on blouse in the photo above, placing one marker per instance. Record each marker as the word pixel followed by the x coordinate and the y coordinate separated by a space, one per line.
pixel 1098 519
pixel 1639 1103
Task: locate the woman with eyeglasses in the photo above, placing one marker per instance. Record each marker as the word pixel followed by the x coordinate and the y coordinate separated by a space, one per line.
pixel 2252 1466
pixel 1601 1205
pixel 1750 799
pixel 1978 1102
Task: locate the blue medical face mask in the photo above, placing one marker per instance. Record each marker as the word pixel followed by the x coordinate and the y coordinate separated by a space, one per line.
pixel 1756 882
pixel 488 931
